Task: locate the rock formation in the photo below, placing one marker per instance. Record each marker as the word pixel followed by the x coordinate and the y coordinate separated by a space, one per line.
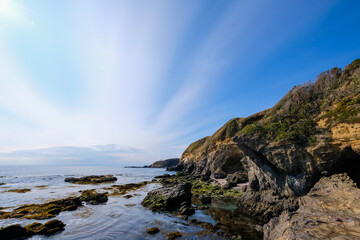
pixel 283 151
pixel 329 211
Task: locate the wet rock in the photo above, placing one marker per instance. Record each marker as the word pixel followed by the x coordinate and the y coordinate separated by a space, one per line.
pixel 93 197
pixel 123 189
pixel 19 190
pixel 205 225
pixel 14 232
pixel 2 184
pixel 128 196
pixel 153 230
pixel 49 228
pixel 53 208
pixel 174 235
pixel 187 211
pixel 329 211
pixel 168 198
pixel 93 179
pixel 18 232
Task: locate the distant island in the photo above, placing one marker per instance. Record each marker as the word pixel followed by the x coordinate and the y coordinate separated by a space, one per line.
pixel 167 163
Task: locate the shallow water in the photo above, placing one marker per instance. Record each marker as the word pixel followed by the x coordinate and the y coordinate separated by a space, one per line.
pixel 119 218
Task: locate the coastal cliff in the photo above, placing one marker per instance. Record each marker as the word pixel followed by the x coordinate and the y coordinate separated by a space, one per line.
pixel 281 152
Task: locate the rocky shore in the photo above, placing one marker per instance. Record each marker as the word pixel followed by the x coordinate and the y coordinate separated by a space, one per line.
pixel 281 166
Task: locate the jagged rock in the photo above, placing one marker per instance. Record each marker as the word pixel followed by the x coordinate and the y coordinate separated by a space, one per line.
pixel 219 175
pixel 168 198
pixel 228 185
pixel 177 168
pixel 312 132
pixel 329 211
pixel 93 179
pixel 238 177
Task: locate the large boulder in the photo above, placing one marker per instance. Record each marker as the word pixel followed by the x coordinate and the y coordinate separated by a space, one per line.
pixel 330 210
pixel 168 198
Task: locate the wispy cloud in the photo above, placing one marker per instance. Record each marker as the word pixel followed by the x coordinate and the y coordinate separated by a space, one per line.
pixel 146 74
pixel 68 155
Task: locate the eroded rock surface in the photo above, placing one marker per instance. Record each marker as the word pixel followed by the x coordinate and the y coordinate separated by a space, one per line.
pixel 331 210
pixel 168 198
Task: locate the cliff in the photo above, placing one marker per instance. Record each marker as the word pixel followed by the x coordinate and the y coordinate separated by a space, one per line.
pixel 313 131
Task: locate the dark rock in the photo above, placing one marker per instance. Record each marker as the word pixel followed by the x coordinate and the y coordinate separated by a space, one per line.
pixel 205 199
pixel 228 185
pixel 187 211
pixel 174 235
pixel 93 197
pixel 205 178
pixel 177 168
pixel 153 230
pixel 168 198
pixel 219 175
pixel 168 163
pixel 164 176
pixel 128 196
pixel 93 179
pixel 14 232
pixel 238 177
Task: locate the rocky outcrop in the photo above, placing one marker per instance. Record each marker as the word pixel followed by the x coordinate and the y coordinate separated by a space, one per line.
pixel 53 208
pixel 168 163
pixel 93 179
pixel 18 232
pixel 283 151
pixel 168 198
pixel 329 211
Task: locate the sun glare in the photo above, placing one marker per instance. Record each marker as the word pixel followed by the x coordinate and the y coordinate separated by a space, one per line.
pixel 4 6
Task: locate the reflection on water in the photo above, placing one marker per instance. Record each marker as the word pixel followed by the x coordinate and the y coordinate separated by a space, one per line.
pixel 119 218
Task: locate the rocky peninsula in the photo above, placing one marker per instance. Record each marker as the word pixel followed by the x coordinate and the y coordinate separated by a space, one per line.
pixel 295 168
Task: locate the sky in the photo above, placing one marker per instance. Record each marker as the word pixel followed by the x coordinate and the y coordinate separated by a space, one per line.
pixel 108 82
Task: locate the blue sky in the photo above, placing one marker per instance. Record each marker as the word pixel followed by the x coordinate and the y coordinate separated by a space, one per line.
pixel 156 75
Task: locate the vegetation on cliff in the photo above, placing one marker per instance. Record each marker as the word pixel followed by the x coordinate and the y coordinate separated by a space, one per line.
pixel 334 98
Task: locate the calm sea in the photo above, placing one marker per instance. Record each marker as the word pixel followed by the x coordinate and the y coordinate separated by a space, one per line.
pixel 119 218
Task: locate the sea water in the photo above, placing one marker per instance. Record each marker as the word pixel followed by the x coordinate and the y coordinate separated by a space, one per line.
pixel 119 218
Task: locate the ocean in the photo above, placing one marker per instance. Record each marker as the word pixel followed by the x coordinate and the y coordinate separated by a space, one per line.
pixel 119 218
